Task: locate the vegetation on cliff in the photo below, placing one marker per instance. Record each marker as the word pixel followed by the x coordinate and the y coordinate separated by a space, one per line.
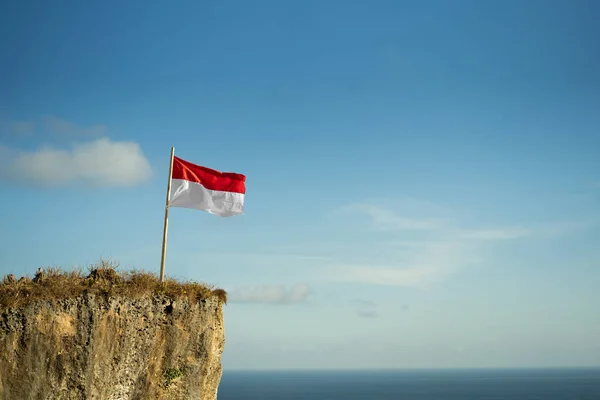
pixel 101 279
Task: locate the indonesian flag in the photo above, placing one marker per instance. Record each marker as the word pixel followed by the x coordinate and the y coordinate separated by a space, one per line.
pixel 201 188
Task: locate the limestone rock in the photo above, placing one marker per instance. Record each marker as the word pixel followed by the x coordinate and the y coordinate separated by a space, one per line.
pixel 90 347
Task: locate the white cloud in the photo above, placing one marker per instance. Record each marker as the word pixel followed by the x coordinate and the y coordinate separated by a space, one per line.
pixel 270 294
pixel 61 127
pixel 101 162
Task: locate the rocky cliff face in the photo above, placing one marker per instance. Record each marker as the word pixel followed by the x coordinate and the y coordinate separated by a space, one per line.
pixel 96 347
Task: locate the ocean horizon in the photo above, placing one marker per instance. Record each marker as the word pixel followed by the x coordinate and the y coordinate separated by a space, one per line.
pixel 576 383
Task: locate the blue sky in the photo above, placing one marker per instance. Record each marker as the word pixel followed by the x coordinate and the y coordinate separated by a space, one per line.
pixel 423 179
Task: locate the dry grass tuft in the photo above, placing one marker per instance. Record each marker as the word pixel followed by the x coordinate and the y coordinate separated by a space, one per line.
pixel 102 279
pixel 220 294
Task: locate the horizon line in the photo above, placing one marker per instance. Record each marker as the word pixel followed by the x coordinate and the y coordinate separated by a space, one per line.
pixel 410 369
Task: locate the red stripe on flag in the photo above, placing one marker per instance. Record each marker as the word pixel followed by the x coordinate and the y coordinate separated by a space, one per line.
pixel 209 178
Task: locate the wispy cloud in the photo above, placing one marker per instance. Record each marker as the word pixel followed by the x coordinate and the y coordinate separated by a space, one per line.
pixel 440 250
pixel 404 258
pixel 23 128
pixel 50 124
pixel 65 128
pixel 366 308
pixel 270 294
pixel 9 127
pixel 423 267
pixel 101 162
pixel 494 234
pixel 558 228
pixel 364 303
pixel 383 218
pixel 411 276
pixel 418 264
pixel 367 313
pixel 413 244
pixel 268 256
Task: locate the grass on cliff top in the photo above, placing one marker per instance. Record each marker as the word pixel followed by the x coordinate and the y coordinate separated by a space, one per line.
pixel 101 279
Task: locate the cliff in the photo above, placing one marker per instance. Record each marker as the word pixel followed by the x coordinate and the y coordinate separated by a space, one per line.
pixel 109 336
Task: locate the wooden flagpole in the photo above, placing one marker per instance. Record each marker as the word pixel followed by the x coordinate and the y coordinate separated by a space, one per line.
pixel 166 227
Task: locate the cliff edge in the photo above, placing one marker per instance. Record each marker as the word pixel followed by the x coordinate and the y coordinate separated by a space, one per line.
pixel 109 336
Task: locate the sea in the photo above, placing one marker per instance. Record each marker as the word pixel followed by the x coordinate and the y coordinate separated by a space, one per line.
pixel 480 384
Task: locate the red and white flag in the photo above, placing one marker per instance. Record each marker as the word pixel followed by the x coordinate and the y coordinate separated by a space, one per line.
pixel 201 188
